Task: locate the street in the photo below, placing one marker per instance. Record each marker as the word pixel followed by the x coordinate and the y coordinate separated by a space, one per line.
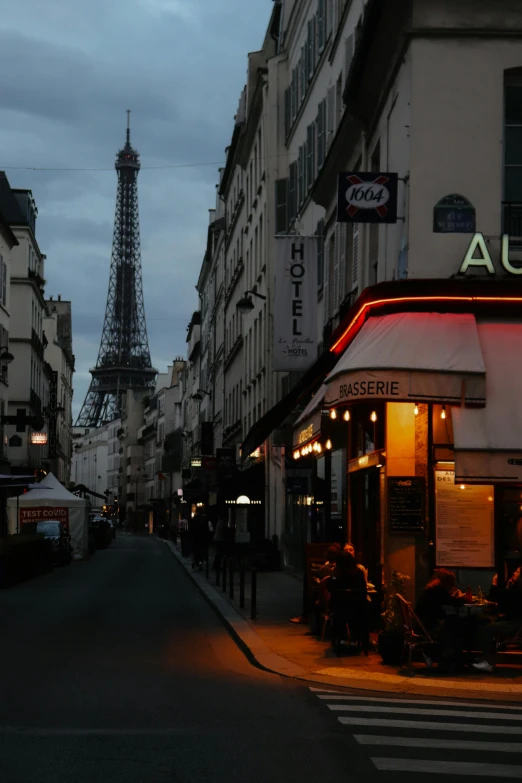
pixel 116 669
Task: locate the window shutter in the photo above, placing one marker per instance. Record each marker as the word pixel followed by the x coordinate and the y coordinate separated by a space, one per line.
pixel 349 45
pixel 281 186
pixel 301 177
pixel 320 135
pixel 293 96
pixel 355 256
pixel 302 76
pixel 288 111
pixel 311 47
pixel 342 261
pixel 329 18
pixel 320 25
pixel 320 254
pixel 330 116
pixel 292 195
pixel 336 248
pixel 310 156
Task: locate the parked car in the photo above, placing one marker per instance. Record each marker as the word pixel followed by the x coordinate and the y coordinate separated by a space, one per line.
pixel 60 540
pixel 101 532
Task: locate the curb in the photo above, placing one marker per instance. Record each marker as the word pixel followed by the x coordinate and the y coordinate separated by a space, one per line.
pixel 259 654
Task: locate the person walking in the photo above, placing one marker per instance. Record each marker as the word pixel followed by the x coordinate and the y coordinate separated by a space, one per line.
pixel 199 536
pixel 220 540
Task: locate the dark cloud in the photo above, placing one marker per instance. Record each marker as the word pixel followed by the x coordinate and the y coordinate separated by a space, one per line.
pixel 69 72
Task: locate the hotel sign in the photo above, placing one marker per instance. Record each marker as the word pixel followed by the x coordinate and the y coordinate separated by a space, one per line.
pixel 478 257
pixel 295 303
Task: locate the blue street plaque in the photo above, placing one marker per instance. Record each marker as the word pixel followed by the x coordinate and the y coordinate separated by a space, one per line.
pixel 454 214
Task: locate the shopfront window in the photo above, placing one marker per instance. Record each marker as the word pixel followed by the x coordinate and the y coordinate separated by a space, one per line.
pixel 367 430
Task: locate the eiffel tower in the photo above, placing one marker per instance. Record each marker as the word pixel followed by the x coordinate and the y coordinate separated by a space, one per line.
pixel 123 359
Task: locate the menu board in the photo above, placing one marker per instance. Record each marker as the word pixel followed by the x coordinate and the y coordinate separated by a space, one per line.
pixel 406 504
pixel 465 523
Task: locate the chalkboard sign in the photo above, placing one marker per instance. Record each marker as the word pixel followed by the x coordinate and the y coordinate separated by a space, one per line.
pixel 406 497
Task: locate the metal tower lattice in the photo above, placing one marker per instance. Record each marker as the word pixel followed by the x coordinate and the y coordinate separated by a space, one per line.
pixel 123 359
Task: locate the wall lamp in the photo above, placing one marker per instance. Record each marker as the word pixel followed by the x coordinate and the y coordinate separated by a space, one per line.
pixel 6 357
pixel 246 305
pixel 199 395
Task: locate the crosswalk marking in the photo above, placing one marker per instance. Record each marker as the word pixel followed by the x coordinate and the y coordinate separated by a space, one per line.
pixel 443 744
pixel 414 725
pixel 429 724
pixel 449 767
pixel 342 697
pixel 413 711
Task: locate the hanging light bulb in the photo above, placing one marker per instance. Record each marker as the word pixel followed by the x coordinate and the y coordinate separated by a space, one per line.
pixel 373 416
pixel 346 416
pixel 443 412
pixel 416 410
pixel 296 455
pixel 463 486
pixel 319 448
pixel 303 451
pixel 333 413
pixel 328 444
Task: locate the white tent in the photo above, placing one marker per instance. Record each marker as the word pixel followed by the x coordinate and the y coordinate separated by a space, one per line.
pixel 51 500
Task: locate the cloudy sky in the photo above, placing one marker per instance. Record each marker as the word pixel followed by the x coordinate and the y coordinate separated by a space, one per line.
pixel 70 69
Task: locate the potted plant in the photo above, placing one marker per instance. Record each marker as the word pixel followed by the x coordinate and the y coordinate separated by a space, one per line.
pixel 391 638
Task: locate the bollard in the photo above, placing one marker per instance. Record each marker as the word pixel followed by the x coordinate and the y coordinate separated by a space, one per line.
pixel 253 595
pixel 231 578
pixel 242 585
pixel 224 574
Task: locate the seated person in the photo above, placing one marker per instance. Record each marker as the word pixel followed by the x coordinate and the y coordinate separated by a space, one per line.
pixel 349 608
pixel 509 621
pixel 440 591
pixel 329 566
pixel 351 550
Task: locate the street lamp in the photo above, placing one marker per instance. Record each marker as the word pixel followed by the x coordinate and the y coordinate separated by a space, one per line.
pixel 6 357
pixel 198 396
pixel 246 305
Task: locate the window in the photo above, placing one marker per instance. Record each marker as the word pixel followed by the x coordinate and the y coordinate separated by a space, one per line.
pixel 513 137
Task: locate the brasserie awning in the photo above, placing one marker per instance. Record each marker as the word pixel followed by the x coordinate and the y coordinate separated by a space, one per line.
pixel 488 441
pixel 412 357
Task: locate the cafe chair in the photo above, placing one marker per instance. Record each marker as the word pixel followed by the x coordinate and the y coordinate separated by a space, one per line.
pixel 510 643
pixel 416 637
pixel 350 615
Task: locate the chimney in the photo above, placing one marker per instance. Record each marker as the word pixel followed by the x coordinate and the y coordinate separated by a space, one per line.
pixel 59 297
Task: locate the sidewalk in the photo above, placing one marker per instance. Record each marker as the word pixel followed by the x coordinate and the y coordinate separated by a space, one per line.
pixel 277 645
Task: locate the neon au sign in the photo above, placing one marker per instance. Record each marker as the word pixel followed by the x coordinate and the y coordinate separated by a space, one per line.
pixel 478 257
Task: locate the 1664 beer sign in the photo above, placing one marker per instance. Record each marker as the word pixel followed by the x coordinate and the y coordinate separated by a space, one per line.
pixel 295 303
pixel 367 197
